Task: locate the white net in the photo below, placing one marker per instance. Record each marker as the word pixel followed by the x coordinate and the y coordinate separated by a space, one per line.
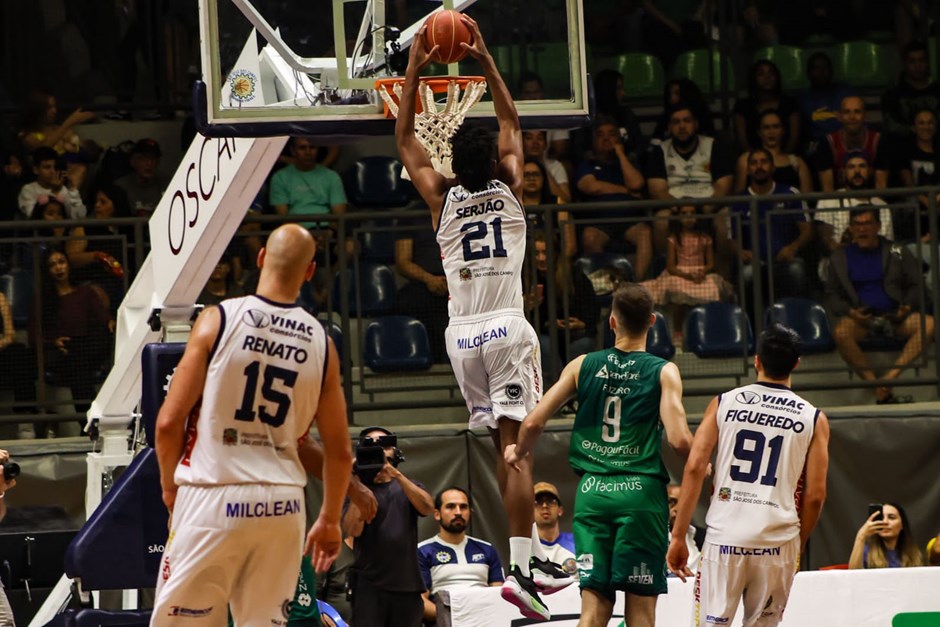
pixel 433 126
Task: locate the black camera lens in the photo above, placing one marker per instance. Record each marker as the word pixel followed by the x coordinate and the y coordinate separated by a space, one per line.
pixel 11 470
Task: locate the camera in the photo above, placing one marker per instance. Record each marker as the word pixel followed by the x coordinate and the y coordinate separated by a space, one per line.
pixel 370 453
pixel 11 470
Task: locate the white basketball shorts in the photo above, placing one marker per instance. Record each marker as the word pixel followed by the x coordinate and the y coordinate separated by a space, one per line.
pixel 237 545
pixel 763 576
pixel 498 367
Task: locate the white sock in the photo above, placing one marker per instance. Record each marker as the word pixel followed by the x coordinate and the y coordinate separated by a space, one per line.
pixel 537 549
pixel 520 550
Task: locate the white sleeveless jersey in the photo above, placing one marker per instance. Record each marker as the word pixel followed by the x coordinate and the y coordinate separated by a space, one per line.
pixel 261 394
pixel 693 176
pixel 482 236
pixel 764 432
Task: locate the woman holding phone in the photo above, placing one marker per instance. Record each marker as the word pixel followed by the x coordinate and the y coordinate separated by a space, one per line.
pixel 885 540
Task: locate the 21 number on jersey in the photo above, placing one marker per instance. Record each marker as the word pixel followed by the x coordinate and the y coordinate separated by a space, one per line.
pixel 474 231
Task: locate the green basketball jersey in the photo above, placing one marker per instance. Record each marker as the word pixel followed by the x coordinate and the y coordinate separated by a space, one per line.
pixel 617 428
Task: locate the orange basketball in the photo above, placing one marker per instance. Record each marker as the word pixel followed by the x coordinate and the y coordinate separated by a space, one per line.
pixel 447 30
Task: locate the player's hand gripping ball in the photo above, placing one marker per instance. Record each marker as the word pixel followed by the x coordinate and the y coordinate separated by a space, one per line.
pixel 447 30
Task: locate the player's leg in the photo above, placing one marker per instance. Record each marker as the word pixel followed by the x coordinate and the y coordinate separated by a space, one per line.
pixel 769 580
pixel 719 583
pixel 470 372
pixel 639 611
pixel 596 609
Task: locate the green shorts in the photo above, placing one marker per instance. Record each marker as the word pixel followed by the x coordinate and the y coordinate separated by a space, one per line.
pixel 621 533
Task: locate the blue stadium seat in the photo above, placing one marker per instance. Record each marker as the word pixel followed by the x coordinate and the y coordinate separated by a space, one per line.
pixel 158 361
pixel 111 618
pixel 397 344
pixel 329 616
pixel 590 263
pixel 718 330
pixel 377 290
pixel 378 242
pixel 807 318
pixel 17 286
pixel 658 340
pixel 376 181
pixel 336 333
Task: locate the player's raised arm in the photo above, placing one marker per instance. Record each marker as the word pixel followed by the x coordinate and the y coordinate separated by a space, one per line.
pixel 696 467
pixel 814 488
pixel 672 412
pixel 509 166
pixel 534 423
pixel 428 182
pixel 185 390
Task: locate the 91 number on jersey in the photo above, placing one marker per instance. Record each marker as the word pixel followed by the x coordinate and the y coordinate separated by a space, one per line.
pixel 749 446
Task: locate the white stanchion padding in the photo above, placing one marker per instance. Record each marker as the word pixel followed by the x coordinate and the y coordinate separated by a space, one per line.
pixel 868 598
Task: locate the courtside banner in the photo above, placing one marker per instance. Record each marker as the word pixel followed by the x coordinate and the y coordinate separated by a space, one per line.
pixel 861 598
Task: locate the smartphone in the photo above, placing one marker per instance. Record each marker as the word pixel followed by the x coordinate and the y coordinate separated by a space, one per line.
pixel 875 508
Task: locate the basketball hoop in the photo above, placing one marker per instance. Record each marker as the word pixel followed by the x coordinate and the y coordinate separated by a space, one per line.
pixel 434 127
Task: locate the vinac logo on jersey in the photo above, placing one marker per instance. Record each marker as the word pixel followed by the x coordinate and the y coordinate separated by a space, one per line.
pixel 747 397
pixel 256 318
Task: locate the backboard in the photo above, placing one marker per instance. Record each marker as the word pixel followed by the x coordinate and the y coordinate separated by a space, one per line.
pixel 282 67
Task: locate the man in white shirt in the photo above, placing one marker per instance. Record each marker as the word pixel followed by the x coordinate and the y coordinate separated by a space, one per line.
pixel 548 512
pixel 51 181
pixel 832 214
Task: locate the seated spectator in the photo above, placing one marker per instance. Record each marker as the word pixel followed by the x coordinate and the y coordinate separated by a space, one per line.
pixel 689 277
pixel 915 90
pixel 17 368
pixel 220 285
pixel 886 540
pixel 831 219
pixel 75 328
pixel 787 229
pixel 452 560
pixel 574 294
pixel 558 546
pixel 873 289
pixel 765 91
pixel 51 180
pixel 694 537
pixel 789 169
pixel 306 187
pixel 424 296
pixel 606 175
pixel 535 192
pixel 145 185
pixel 854 137
pixel 559 140
pixel 686 91
pixel 610 100
pixel 916 160
pixel 688 164
pixel 821 101
pixel 40 128
pixel 556 177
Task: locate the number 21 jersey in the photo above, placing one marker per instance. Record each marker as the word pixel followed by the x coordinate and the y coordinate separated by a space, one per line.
pixel 482 236
pixel 764 432
pixel 261 393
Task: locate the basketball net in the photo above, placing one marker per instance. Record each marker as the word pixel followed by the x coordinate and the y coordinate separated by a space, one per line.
pixel 433 126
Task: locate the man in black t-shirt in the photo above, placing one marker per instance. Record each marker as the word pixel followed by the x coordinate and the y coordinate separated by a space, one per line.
pixel 385 578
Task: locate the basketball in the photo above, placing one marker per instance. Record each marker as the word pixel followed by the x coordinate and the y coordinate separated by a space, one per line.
pixel 447 30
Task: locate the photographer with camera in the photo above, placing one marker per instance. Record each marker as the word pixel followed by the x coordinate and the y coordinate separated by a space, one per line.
pixel 52 182
pixel 385 581
pixel 10 472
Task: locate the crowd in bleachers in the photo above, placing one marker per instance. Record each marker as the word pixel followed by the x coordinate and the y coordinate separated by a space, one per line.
pixel 800 123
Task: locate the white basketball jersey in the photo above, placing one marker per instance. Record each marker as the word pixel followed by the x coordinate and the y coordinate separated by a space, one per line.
pixel 764 432
pixel 690 176
pixel 482 236
pixel 260 397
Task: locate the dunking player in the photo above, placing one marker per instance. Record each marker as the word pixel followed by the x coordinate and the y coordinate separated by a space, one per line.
pixel 621 514
pixel 481 230
pixel 766 436
pixel 232 477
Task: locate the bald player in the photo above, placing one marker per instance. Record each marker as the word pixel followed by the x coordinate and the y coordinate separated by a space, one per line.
pixel 230 464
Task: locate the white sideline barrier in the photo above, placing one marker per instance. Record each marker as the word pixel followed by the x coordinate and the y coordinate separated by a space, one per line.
pixel 825 598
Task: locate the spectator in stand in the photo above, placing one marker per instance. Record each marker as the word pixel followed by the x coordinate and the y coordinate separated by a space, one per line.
pixel 855 136
pixel 559 547
pixel 559 140
pixel 874 290
pixel 886 540
pixel 688 164
pixel 821 101
pixel 789 169
pixel 764 91
pixel 917 160
pixel 305 186
pixel 51 180
pixel 610 100
pixel 534 145
pixel 424 295
pixel 40 128
pixel 787 229
pixel 915 91
pixel 576 306
pixel 145 185
pixel 453 560
pixel 17 369
pixel 607 175
pixel 831 219
pixel 535 192
pixel 75 328
pixel 220 284
pixel 682 90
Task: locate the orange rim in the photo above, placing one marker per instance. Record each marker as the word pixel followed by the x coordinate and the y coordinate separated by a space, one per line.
pixel 438 85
